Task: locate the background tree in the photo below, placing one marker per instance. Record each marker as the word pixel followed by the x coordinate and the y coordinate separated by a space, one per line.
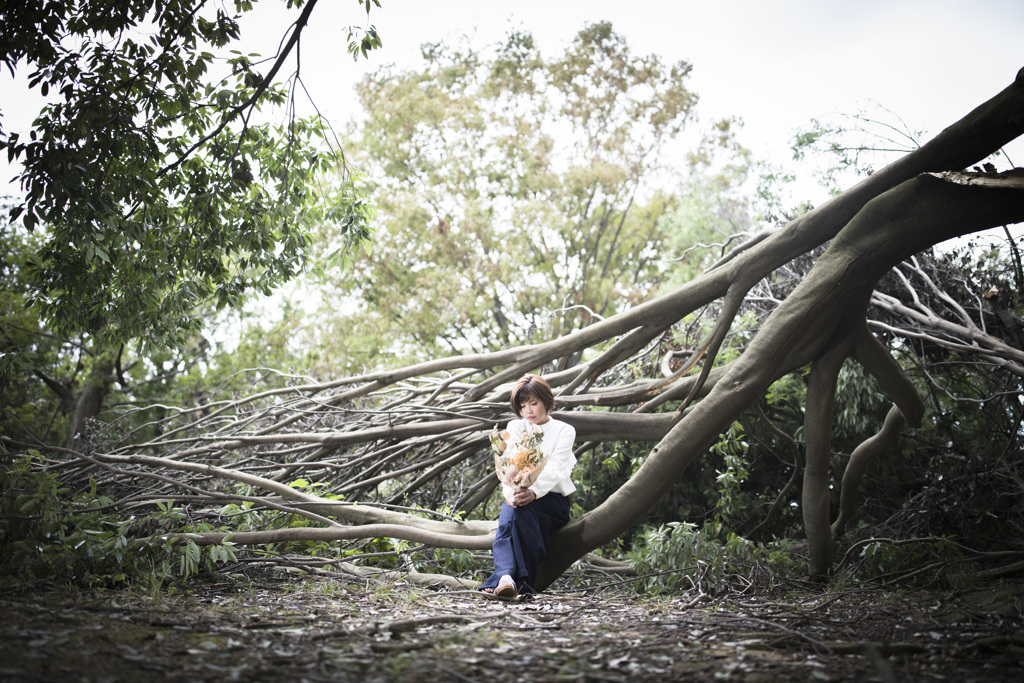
pixel 532 179
pixel 157 184
pixel 154 188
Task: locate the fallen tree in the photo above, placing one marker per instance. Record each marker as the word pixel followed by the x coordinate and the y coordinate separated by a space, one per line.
pixel 362 448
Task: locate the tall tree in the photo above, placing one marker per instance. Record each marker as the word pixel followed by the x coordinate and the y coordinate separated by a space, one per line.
pixel 529 178
pixel 153 182
pixel 157 182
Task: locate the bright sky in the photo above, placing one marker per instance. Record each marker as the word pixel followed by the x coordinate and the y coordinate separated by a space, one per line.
pixel 775 63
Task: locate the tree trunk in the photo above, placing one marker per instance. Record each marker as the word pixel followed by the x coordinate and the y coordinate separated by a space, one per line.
pixel 90 401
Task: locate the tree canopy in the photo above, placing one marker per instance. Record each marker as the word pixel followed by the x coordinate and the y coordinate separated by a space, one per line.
pixel 167 177
pixel 152 170
pixel 529 177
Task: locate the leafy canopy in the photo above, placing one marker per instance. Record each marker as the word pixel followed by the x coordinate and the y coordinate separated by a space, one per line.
pixel 515 193
pixel 152 171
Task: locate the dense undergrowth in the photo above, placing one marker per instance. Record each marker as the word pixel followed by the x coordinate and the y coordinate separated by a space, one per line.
pixel 53 537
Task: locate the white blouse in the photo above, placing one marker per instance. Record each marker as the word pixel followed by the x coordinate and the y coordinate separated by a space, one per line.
pixel 557 446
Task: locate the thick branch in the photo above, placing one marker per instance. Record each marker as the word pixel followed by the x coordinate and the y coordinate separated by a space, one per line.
pixel 821 393
pixel 877 360
pixel 439 540
pixel 897 224
pixel 862 456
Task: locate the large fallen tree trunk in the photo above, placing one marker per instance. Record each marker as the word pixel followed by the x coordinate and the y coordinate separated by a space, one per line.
pixel 821 322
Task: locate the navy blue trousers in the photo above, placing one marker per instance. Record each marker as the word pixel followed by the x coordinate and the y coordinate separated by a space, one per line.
pixel 521 541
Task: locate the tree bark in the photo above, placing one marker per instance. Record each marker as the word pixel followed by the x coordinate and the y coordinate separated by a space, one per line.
pixel 90 400
pixel 861 457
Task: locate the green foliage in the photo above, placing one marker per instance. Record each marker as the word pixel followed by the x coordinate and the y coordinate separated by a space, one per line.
pixel 455 561
pixel 513 194
pixel 154 194
pixel 734 504
pixel 24 349
pixel 882 558
pixel 156 186
pixel 50 534
pixel 677 556
pixel 712 206
pixel 43 376
pixel 725 197
pixel 244 516
pixel 604 468
pixel 362 41
pixel 192 558
pixel 861 406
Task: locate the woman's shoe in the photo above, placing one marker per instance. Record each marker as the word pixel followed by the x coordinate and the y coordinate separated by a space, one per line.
pixel 506 587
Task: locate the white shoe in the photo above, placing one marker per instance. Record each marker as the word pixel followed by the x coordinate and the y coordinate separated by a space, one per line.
pixel 506 587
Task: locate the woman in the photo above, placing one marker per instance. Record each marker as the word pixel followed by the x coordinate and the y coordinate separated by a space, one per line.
pixel 529 515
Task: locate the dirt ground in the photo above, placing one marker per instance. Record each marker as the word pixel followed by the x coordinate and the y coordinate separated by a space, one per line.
pixel 317 631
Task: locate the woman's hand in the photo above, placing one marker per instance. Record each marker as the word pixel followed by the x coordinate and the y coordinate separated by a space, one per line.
pixel 523 497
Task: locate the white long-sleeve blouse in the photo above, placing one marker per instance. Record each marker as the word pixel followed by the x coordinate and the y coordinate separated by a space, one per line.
pixel 557 446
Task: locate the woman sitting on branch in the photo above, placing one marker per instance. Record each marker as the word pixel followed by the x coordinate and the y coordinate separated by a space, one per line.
pixel 534 462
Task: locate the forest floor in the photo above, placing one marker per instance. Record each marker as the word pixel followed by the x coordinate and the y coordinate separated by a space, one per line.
pixel 316 631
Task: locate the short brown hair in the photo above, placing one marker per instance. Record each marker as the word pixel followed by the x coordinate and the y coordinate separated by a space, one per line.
pixel 531 386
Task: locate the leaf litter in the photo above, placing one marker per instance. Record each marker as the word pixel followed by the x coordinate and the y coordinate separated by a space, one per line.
pixel 314 631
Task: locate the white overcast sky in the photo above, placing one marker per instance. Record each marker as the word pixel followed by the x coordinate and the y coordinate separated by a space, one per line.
pixel 774 63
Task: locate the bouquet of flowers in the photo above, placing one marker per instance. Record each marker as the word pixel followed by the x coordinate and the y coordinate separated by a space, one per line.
pixel 518 463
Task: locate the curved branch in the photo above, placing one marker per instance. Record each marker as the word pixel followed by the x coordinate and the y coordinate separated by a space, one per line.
pixel 343 533
pixel 877 360
pixel 312 503
pixel 821 393
pixel 861 457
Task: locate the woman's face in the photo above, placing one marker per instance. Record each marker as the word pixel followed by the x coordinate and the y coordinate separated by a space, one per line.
pixel 533 411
